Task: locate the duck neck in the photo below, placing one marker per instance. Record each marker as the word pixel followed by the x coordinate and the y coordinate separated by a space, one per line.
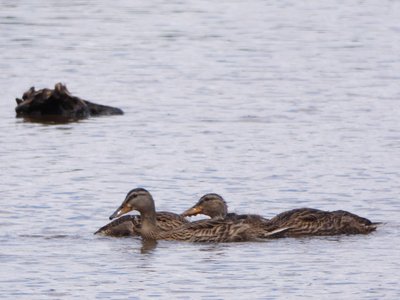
pixel 148 228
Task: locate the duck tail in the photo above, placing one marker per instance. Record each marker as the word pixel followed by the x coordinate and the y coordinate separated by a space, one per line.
pixel 372 227
pixel 376 223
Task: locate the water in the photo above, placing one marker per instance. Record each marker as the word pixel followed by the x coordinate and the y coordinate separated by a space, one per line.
pixel 273 104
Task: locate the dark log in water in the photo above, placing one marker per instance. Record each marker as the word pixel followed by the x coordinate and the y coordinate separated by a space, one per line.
pixel 59 104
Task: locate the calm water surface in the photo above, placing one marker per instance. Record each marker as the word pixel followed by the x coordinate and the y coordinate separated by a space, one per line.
pixel 273 104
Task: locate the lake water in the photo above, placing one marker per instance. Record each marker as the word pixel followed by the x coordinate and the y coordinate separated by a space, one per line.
pixel 273 104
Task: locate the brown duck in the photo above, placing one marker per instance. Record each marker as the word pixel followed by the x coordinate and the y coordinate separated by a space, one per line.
pixel 299 222
pixel 212 230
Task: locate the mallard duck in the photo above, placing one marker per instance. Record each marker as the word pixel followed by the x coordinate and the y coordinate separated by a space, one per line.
pixel 212 230
pixel 214 206
pixel 309 222
pixel 298 222
pixel 126 225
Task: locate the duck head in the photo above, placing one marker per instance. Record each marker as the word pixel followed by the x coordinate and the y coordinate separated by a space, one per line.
pixel 137 199
pixel 212 205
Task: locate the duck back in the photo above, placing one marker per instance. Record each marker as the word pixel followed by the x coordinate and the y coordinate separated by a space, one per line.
pixel 309 221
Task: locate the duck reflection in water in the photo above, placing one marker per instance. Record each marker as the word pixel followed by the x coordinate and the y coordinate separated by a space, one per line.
pixel 148 246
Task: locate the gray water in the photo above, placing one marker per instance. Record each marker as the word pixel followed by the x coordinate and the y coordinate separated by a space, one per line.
pixel 273 104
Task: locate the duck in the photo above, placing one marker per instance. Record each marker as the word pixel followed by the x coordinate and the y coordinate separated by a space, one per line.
pixel 214 206
pixel 210 230
pixel 315 222
pixel 297 222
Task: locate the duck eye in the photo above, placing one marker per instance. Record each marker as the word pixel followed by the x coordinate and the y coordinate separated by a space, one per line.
pixel 131 196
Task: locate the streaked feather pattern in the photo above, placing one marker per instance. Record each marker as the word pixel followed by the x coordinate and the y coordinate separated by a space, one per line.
pixel 309 221
pixel 296 222
pixel 128 225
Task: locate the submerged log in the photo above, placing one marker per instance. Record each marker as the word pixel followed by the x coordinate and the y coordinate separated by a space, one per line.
pixel 59 103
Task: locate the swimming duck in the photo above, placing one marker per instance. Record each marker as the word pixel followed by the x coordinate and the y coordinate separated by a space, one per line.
pixel 214 206
pixel 309 221
pixel 299 222
pixel 126 225
pixel 212 230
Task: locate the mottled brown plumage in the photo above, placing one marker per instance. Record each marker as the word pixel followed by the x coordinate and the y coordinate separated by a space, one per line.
pixel 127 225
pixel 213 230
pixel 123 226
pixel 298 222
pixel 309 222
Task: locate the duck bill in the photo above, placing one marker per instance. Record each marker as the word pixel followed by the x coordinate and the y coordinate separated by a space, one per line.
pixel 120 211
pixel 195 210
